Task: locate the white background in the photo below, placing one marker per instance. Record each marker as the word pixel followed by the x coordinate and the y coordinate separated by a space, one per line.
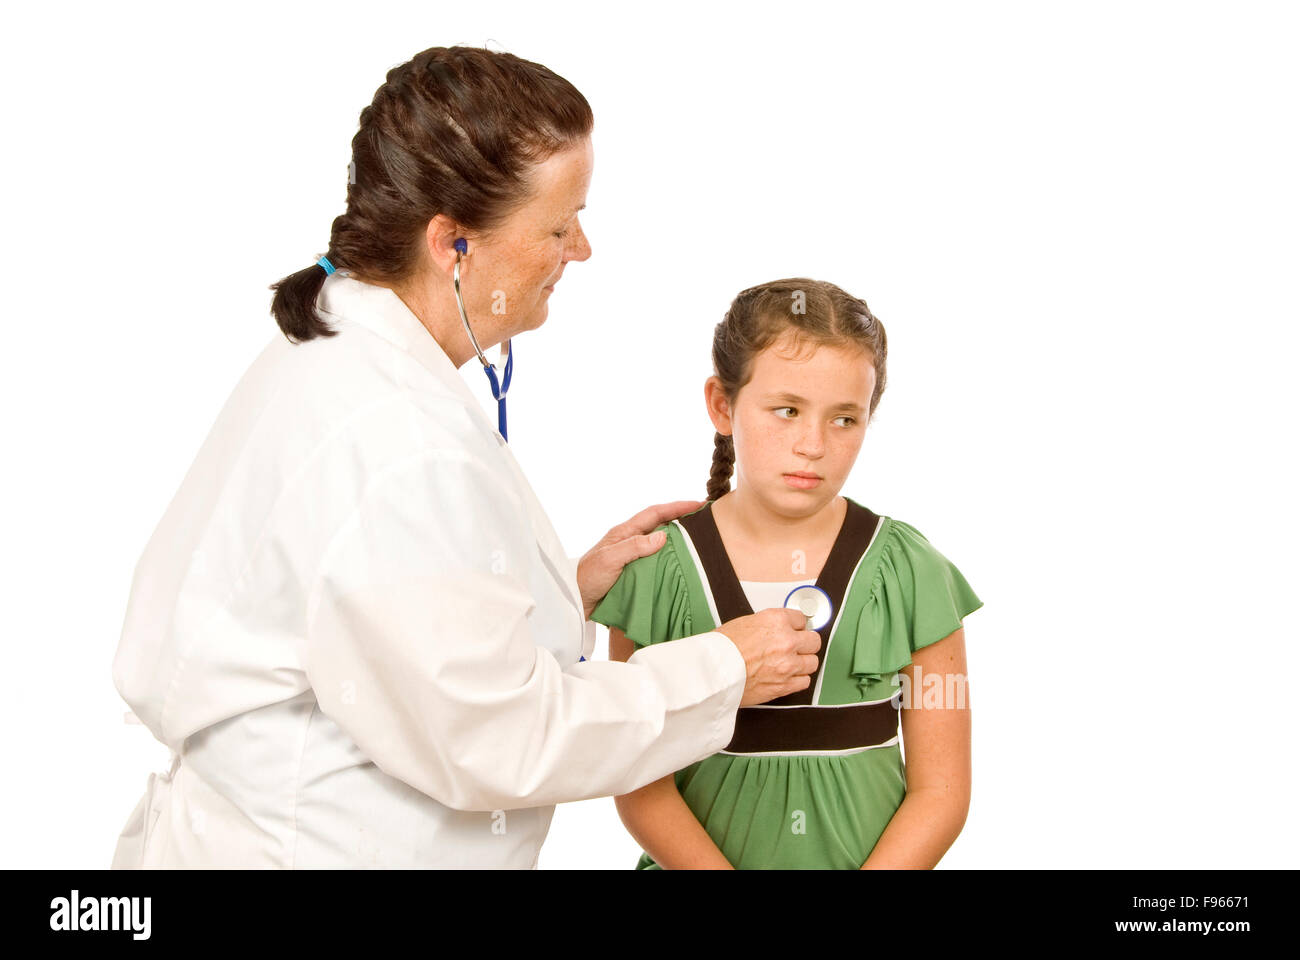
pixel 1077 222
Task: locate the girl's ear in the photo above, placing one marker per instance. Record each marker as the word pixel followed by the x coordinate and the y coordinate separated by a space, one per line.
pixel 715 399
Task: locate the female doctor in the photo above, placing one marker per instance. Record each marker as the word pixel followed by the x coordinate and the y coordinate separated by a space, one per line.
pixel 354 626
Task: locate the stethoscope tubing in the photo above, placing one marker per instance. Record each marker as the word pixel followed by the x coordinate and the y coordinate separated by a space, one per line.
pixel 500 388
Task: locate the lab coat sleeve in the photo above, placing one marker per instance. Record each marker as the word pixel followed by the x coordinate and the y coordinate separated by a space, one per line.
pixel 588 628
pixel 420 647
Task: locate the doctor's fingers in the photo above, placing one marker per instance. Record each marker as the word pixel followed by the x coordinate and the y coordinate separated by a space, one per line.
pixel 806 641
pixel 763 691
pixel 616 555
pixel 797 668
pixel 791 626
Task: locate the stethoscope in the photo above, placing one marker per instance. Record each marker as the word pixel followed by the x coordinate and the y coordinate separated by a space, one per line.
pixel 813 602
pixel 498 389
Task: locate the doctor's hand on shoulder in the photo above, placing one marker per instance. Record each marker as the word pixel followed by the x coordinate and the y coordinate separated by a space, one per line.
pixel 780 652
pixel 601 566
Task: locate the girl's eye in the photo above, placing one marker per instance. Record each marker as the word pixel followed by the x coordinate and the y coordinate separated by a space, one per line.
pixel 793 411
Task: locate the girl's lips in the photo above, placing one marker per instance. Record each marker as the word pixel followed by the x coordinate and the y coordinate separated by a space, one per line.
pixel 801 483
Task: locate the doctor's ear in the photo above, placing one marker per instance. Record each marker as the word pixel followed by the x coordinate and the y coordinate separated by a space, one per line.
pixel 443 237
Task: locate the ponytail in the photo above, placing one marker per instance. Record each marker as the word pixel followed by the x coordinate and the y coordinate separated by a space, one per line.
pixel 294 305
pixel 454 131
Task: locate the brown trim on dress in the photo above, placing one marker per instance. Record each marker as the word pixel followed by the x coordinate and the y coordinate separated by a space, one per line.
pixel 762 729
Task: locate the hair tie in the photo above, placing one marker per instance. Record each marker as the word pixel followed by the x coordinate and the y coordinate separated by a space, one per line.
pixel 324 262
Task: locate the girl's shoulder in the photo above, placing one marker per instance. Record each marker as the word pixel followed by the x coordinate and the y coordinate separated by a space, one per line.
pixel 650 601
pixel 912 589
pixel 906 543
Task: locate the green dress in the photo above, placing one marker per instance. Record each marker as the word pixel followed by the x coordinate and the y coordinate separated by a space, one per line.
pixel 801 785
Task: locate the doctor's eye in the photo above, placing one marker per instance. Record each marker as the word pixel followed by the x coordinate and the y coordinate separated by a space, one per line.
pixel 778 410
pixel 850 420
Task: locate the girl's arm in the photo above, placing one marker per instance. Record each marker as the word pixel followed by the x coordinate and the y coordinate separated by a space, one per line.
pixel 657 816
pixel 936 738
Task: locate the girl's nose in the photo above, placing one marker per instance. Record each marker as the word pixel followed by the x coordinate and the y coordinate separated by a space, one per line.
pixel 811 442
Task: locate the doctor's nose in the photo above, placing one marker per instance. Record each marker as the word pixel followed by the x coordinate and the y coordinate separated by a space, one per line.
pixel 579 248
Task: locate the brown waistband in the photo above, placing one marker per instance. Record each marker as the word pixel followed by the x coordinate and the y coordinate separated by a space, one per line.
pixel 807 728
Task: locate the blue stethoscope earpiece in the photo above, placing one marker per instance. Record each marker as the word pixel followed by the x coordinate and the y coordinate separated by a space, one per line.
pixel 498 388
pixel 813 602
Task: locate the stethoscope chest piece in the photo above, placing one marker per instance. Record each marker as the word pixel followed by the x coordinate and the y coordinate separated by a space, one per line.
pixel 813 602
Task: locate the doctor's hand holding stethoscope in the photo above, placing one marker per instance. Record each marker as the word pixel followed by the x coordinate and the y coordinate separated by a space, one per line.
pixel 355 627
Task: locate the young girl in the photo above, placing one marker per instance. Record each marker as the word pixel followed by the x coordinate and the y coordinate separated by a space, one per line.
pixel 814 779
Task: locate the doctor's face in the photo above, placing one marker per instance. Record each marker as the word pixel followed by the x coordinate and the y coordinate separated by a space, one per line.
pixel 510 275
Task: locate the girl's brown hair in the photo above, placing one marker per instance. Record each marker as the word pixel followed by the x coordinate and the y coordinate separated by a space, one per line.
pixel 813 312
pixel 454 130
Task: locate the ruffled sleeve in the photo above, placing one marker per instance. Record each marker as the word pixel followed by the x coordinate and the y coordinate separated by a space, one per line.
pixel 649 602
pixel 917 597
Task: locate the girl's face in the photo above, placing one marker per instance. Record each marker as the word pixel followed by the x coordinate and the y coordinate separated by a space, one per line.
pixel 798 424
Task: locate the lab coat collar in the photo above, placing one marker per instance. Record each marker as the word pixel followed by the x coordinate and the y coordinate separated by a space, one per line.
pixel 382 312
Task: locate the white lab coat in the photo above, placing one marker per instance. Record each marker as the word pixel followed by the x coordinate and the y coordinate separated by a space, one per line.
pixel 359 634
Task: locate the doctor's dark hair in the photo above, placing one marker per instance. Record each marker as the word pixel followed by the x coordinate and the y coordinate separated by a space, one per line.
pixel 812 312
pixel 454 130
